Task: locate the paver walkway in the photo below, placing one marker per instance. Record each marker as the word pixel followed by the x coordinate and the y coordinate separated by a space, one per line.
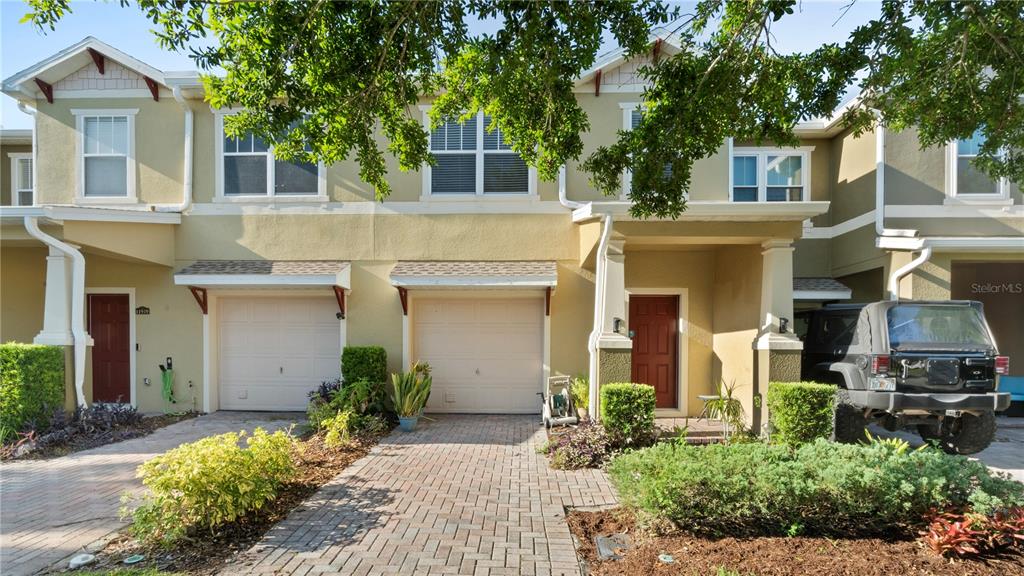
pixel 51 509
pixel 464 495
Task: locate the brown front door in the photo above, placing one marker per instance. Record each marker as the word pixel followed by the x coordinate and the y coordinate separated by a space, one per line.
pixel 653 320
pixel 109 319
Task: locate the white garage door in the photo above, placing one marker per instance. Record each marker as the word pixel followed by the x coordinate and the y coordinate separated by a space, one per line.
pixel 273 351
pixel 486 354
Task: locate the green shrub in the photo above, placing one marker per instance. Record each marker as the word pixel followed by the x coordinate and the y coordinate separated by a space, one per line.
pixel 580 388
pixel 627 412
pixel 585 446
pixel 207 483
pixel 31 387
pixel 364 363
pixel 800 412
pixel 819 488
pixel 339 429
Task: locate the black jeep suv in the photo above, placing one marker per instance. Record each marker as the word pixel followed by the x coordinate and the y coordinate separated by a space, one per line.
pixel 929 366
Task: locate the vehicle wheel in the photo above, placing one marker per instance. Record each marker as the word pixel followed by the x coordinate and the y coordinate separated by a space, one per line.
pixel 850 424
pixel 970 434
pixel 929 432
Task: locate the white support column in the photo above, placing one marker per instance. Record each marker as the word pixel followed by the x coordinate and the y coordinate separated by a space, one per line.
pixel 57 310
pixel 614 299
pixel 777 296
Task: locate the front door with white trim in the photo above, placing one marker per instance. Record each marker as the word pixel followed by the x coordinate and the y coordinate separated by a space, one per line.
pixel 275 350
pixel 486 353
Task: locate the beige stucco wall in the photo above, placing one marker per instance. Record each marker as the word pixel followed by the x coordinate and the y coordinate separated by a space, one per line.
pixel 852 172
pixel 931 281
pixel 159 133
pixel 22 290
pixel 5 169
pixel 735 316
pixel 812 258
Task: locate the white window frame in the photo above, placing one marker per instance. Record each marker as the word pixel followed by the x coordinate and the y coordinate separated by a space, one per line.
pixel 428 191
pixel 16 159
pixel 80 114
pixel 1001 195
pixel 270 196
pixel 762 153
pixel 627 124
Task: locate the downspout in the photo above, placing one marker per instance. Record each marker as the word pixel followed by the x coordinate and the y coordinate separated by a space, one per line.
pixel 563 195
pixel 186 195
pixel 894 279
pixel 77 300
pixel 600 281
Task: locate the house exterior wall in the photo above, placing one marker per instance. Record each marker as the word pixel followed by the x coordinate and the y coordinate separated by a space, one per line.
pixel 22 291
pixel 736 319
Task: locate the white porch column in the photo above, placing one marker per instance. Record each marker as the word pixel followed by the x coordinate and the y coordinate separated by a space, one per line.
pixel 776 294
pixel 57 312
pixel 614 349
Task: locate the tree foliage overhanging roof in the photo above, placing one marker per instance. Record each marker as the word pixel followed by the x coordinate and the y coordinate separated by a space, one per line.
pixel 329 80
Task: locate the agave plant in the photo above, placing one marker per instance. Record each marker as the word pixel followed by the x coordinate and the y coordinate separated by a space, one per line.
pixel 410 390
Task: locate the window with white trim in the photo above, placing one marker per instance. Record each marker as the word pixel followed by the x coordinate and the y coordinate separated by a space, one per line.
pixel 964 178
pixel 22 190
pixel 247 168
pixel 472 160
pixel 769 175
pixel 631 119
pixel 106 154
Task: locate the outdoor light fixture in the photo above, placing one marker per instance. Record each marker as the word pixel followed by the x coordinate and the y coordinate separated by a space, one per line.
pixel 783 325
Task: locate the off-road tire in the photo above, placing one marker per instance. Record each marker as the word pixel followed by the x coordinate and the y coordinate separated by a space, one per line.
pixel 930 432
pixel 970 434
pixel 850 424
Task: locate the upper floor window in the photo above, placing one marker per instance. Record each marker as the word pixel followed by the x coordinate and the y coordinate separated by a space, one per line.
pixel 964 178
pixel 631 116
pixel 247 168
pixel 770 175
pixel 22 191
pixel 473 160
pixel 106 155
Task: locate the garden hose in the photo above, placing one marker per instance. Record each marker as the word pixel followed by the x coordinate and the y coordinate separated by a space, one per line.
pixel 167 391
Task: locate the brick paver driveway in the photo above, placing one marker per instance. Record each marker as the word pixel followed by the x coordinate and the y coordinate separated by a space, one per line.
pixel 50 509
pixel 461 495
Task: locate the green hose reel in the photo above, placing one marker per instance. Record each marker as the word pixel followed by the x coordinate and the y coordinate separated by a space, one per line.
pixel 167 390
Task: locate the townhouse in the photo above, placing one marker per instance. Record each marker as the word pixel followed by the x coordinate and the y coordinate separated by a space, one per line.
pixel 145 236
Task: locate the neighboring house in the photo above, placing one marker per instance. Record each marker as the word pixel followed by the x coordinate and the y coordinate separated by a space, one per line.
pixel 16 168
pixel 252 273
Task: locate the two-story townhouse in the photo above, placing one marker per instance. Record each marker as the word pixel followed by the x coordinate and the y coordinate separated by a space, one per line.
pixel 153 236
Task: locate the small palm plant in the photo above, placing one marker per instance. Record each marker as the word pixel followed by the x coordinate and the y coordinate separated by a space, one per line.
pixel 410 392
pixel 727 408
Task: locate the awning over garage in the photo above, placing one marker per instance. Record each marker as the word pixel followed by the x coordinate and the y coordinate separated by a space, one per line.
pixel 480 274
pixel 265 274
pixel 820 289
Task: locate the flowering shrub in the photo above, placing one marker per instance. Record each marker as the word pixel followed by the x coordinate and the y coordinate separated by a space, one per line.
pixel 586 446
pixel 968 534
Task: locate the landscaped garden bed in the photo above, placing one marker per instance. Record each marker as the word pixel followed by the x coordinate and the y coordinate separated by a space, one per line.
pixel 704 555
pixel 208 553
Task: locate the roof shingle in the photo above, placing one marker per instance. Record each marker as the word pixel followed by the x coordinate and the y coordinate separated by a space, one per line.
pixel 517 268
pixel 265 267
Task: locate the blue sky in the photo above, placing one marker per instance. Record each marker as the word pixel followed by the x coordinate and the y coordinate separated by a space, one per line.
pixel 21 45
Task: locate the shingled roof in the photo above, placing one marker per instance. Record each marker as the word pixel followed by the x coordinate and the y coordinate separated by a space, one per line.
pixel 835 289
pixel 488 272
pixel 267 267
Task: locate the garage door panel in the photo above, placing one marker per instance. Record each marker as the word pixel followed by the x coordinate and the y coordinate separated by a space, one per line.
pixel 486 353
pixel 274 350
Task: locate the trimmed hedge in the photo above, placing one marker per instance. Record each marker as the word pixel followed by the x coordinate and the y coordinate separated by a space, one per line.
pixel 627 412
pixel 800 412
pixel 364 363
pixel 818 488
pixel 31 386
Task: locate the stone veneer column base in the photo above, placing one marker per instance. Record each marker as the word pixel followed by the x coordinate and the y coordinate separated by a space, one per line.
pixel 614 365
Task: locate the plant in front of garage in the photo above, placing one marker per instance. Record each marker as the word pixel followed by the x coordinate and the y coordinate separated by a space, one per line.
pixel 409 393
pixel 364 363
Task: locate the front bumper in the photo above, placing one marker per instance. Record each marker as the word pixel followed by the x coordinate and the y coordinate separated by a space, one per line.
pixel 896 401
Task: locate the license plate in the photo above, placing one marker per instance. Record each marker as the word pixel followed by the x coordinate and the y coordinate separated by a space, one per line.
pixel 882 384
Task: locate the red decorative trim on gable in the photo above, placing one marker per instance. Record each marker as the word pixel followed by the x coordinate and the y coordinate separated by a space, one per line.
pixel 547 301
pixel 154 88
pixel 597 83
pixel 339 294
pixel 97 58
pixel 200 295
pixel 47 90
pixel 403 295
pixel 657 49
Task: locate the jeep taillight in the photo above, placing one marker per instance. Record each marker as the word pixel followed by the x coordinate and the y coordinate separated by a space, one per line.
pixel 880 365
pixel 1002 364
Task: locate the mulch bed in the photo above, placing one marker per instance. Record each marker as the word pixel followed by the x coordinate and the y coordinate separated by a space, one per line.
pixel 146 426
pixel 770 556
pixel 208 554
